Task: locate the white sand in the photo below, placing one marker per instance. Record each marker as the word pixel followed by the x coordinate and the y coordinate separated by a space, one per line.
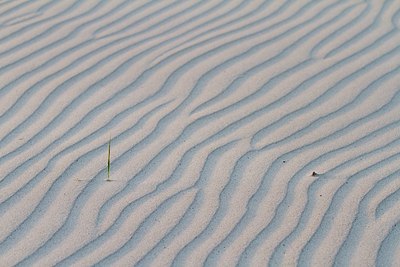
pixel 219 112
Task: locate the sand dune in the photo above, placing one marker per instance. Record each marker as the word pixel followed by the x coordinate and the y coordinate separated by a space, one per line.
pixel 246 133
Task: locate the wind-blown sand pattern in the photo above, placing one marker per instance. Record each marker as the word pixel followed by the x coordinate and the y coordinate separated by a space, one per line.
pixel 219 112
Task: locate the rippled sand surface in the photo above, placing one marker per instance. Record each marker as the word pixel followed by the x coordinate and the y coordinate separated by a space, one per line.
pixel 243 132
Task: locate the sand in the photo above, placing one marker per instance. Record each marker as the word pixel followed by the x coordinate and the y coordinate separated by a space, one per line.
pixel 243 132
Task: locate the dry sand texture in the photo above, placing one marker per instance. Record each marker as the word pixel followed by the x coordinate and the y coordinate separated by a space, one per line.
pixel 219 112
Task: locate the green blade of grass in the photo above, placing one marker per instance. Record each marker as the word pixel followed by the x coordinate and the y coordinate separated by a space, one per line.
pixel 108 161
